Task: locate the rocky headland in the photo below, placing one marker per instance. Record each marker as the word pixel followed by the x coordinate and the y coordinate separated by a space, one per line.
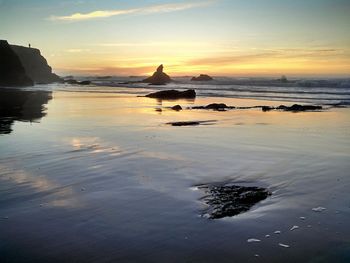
pixel 12 72
pixel 23 66
pixel 35 65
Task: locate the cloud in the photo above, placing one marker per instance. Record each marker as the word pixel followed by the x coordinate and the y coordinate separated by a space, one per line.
pixel 268 55
pixel 165 8
pixel 77 50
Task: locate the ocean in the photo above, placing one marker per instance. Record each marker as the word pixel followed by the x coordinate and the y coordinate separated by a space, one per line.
pixel 95 174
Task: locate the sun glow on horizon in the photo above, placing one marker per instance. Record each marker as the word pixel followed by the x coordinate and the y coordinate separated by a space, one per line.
pixel 216 37
pixel 190 59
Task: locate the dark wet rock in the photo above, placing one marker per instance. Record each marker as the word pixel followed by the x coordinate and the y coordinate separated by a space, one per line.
pixel 294 108
pixel 202 77
pixel 173 94
pixel 176 108
pixel 267 108
pixel 35 65
pixel 158 78
pixel 191 123
pixel 12 72
pixel 214 106
pixel 298 107
pixel 227 200
pixel 184 123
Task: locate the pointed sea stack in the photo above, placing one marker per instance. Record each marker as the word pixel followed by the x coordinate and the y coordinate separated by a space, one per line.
pixel 158 77
pixel 12 72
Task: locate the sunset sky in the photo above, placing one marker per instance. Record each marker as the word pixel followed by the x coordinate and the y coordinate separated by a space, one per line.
pixel 218 37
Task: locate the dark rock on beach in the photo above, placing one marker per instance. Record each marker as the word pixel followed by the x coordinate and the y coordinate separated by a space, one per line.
pixel 184 123
pixel 298 107
pixel 190 123
pixel 202 77
pixel 214 106
pixel 173 94
pixel 224 107
pixel 228 200
pixel 12 72
pixel 267 108
pixel 158 77
pixel 176 108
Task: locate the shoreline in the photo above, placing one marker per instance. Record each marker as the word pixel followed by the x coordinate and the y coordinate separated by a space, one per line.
pixel 105 171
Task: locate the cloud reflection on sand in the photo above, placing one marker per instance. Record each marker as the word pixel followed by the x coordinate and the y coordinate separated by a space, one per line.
pixel 93 145
pixel 63 196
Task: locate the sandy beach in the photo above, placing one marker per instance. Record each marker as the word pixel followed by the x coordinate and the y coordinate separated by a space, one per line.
pixel 174 131
pixel 101 177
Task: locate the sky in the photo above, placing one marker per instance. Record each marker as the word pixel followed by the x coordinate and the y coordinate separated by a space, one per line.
pixel 216 37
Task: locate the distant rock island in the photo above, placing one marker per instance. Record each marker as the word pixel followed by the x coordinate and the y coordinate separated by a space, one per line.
pixel 24 66
pixel 158 77
pixel 202 77
pixel 12 72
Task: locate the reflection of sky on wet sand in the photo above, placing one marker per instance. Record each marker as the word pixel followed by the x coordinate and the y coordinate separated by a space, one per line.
pixel 62 196
pixel 109 166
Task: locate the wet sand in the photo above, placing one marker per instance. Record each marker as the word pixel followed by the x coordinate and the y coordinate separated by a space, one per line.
pixel 102 178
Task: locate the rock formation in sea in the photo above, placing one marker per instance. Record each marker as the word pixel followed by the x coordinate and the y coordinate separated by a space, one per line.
pixel 283 79
pixel 173 94
pixel 75 82
pixel 298 107
pixel 158 77
pixel 191 123
pixel 293 108
pixel 12 72
pixel 202 77
pixel 214 106
pixel 35 65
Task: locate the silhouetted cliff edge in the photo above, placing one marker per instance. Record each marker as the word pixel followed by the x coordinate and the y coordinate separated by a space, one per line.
pixel 12 72
pixel 35 65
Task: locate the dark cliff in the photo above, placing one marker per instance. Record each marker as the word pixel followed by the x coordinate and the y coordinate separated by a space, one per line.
pixel 12 72
pixel 35 65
